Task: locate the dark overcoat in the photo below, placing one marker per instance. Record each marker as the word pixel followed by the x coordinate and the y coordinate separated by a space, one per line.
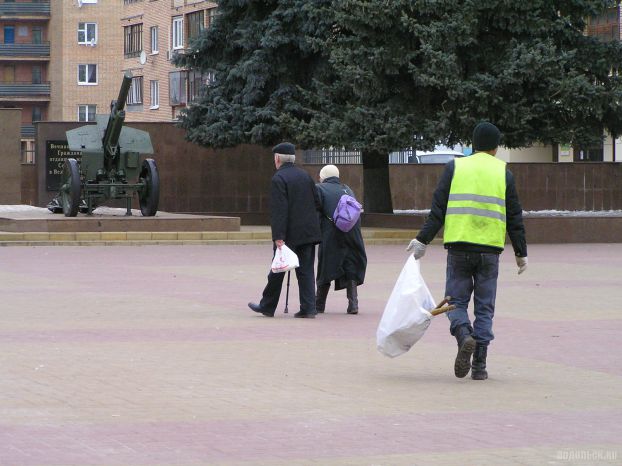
pixel 341 256
pixel 294 205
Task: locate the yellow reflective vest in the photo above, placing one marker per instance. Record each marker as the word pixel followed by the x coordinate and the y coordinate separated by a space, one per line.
pixel 476 207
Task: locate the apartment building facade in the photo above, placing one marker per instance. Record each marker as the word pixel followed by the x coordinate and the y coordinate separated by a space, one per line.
pixel 85 44
pixel 25 61
pixel 153 32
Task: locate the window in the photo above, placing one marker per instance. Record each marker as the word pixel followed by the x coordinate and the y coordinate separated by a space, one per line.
pixel 87 74
pixel 196 23
pixel 155 94
pixel 36 74
pixel 178 32
pixel 87 112
pixel 133 40
pixel 9 73
pixel 37 114
pixel 154 39
pixel 196 81
pixel 211 16
pixel 177 87
pixel 135 94
pixel 28 151
pixel 22 31
pixel 210 78
pixel 87 33
pixel 37 35
pixel 9 34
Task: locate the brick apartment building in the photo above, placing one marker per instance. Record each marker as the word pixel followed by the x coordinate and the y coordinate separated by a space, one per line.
pixel 85 71
pixel 153 32
pixel 64 60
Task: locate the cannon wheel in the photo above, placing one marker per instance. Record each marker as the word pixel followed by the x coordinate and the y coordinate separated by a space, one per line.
pixel 70 188
pixel 149 195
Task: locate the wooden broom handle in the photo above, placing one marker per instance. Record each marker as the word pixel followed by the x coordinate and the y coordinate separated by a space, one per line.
pixel 443 302
pixel 441 310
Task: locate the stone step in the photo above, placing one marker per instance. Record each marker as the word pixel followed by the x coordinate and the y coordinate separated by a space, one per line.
pixel 254 235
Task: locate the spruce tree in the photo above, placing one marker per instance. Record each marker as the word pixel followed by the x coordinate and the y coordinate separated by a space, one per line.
pixel 385 75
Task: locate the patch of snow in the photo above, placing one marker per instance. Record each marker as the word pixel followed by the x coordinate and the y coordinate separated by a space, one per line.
pixel 102 210
pixel 22 208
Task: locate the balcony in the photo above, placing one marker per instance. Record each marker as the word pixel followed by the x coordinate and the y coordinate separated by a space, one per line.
pixel 25 9
pixel 24 91
pixel 186 85
pixel 28 131
pixel 41 50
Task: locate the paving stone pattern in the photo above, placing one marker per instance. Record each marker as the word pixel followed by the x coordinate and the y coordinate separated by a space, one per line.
pixel 148 355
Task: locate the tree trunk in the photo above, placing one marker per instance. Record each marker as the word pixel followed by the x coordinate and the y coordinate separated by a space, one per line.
pixel 377 198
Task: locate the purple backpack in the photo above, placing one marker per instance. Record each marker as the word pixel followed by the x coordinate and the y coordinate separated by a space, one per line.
pixel 347 213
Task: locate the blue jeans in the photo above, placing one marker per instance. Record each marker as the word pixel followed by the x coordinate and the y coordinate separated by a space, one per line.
pixel 472 273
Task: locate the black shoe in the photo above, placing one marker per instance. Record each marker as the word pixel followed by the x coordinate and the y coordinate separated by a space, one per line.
pixel 258 308
pixel 466 347
pixel 304 315
pixel 478 371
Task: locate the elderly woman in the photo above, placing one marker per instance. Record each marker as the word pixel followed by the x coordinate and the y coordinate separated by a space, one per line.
pixel 341 256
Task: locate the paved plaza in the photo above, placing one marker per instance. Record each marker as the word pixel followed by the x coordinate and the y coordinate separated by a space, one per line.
pixel 148 355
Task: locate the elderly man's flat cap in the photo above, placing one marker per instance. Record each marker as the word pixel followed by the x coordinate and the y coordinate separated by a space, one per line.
pixel 285 148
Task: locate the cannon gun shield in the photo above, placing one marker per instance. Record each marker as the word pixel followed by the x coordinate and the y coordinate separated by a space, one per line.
pixel 89 138
pixel 135 140
pixel 84 138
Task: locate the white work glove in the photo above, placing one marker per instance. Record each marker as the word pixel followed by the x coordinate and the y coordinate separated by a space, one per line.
pixel 417 248
pixel 521 262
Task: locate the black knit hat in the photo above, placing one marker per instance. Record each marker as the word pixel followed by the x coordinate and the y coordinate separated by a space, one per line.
pixel 285 148
pixel 486 136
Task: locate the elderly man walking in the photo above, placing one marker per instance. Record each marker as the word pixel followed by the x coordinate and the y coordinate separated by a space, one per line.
pixel 476 200
pixel 294 205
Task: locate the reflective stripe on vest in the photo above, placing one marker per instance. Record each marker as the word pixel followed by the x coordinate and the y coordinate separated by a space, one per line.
pixel 476 206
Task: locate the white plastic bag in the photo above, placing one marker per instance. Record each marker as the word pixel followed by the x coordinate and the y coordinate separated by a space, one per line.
pixel 284 259
pixel 405 318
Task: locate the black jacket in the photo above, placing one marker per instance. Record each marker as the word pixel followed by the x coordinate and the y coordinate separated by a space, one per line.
pixel 513 213
pixel 294 205
pixel 341 256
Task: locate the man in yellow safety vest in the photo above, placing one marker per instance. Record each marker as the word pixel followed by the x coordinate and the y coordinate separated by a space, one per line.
pixel 477 202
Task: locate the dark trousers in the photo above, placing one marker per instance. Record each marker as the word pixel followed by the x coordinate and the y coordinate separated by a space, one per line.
pixel 305 277
pixel 472 273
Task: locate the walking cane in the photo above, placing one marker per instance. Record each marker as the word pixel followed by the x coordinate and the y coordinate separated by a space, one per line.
pixel 287 293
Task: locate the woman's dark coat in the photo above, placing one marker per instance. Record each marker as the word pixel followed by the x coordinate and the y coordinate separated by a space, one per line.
pixel 341 256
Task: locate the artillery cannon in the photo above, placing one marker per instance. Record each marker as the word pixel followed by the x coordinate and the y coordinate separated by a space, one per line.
pixel 110 157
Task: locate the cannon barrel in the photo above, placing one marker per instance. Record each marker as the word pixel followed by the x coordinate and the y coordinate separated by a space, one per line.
pixel 125 89
pixel 110 140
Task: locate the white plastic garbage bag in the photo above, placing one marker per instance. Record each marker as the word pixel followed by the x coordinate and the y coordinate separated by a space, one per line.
pixel 405 318
pixel 284 259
